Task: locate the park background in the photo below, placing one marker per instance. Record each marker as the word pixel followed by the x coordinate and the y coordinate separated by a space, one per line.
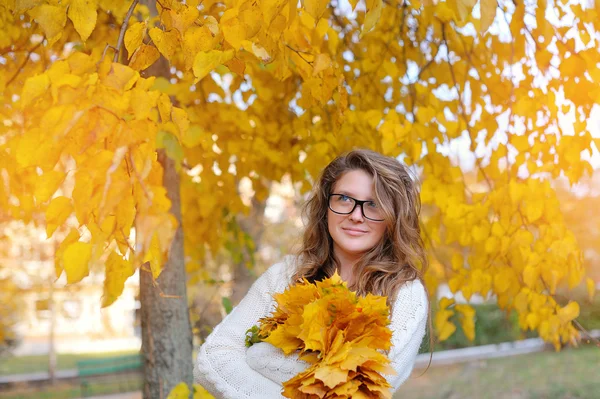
pixel 122 122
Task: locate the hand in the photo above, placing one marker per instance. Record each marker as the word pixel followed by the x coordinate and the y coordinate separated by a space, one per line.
pixel 272 363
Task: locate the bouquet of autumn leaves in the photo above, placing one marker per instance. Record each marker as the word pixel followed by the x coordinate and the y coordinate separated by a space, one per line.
pixel 341 335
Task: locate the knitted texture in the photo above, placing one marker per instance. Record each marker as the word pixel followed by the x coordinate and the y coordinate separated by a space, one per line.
pixel 272 363
pixel 227 369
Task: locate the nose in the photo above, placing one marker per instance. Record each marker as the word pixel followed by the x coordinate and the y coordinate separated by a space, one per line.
pixel 356 215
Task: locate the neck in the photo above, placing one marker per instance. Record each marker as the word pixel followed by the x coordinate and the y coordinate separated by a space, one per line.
pixel 347 262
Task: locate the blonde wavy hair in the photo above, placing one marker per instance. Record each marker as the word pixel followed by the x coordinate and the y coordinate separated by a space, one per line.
pixel 398 258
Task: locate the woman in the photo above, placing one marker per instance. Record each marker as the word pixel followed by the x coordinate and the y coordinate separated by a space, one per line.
pixel 363 221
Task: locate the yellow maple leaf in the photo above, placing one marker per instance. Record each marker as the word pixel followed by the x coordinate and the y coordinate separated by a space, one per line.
pixel 134 36
pixel 285 340
pixel 316 8
pixel 154 256
pixel 57 212
pixel 120 77
pixel 315 320
pixel 591 288
pixel 206 61
pixel 83 15
pixel 47 185
pixel 569 312
pixel 195 39
pixel 339 333
pixel 143 57
pixel 166 42
pixel 75 259
pixel 487 9
pixel 51 18
pixel 180 391
pixel 118 270
pixel 467 320
pixel 374 8
pixel 72 237
pixel 34 87
pixel 201 393
pixel 233 31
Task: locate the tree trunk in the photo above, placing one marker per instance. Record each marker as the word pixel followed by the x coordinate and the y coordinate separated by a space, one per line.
pixel 253 225
pixel 166 329
pixel 51 339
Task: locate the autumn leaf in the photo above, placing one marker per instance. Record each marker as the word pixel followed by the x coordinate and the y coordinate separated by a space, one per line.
pixel 374 9
pixel 49 183
pixel 133 37
pixel 308 83
pixel 487 8
pixel 34 87
pixel 233 30
pixel 346 331
pixel 316 8
pixel 57 212
pixel 166 42
pixel 569 312
pixel 71 238
pixel 83 15
pixel 143 57
pixel 154 257
pixel 51 18
pixel 591 288
pixel 204 62
pixel 118 270
pixel 75 260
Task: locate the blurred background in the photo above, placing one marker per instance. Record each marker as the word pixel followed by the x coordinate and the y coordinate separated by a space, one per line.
pixel 51 330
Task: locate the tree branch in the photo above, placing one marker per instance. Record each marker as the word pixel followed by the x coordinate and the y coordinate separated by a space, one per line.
pixel 123 29
pixel 299 54
pixel 461 107
pixel 24 62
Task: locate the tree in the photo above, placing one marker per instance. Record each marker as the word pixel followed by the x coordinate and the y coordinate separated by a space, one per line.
pixel 263 89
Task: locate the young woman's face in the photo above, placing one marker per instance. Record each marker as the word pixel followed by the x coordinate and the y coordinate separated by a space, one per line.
pixel 354 234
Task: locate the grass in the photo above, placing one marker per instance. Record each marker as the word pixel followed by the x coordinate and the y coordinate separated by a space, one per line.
pixel 110 385
pixel 34 364
pixel 571 373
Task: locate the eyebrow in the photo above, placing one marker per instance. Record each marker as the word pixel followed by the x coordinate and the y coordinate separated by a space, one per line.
pixel 344 192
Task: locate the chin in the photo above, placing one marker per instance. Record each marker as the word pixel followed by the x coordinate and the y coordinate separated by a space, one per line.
pixel 355 249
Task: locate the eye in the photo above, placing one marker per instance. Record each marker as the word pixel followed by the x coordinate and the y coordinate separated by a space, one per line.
pixel 344 198
pixel 372 204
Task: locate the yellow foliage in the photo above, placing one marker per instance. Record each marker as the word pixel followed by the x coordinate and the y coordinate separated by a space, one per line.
pixel 143 57
pixel 340 334
pixel 75 261
pixel 270 88
pixel 204 62
pixel 83 15
pixel 134 36
pixel 57 212
pixel 182 391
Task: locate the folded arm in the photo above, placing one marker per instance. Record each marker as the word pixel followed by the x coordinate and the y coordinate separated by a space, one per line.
pixel 221 366
pixel 408 323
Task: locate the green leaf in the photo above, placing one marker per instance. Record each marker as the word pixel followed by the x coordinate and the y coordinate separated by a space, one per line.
pixel 171 145
pixel 252 336
pixel 226 304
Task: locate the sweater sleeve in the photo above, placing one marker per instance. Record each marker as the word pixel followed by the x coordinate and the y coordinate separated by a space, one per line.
pixel 408 322
pixel 221 366
pixel 273 363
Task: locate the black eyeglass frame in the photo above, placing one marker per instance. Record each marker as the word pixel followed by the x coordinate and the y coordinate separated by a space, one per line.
pixel 356 203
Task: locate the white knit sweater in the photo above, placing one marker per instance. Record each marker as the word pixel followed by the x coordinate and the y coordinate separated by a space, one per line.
pixel 227 369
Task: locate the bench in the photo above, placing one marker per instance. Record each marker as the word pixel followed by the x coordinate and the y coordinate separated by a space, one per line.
pixel 120 369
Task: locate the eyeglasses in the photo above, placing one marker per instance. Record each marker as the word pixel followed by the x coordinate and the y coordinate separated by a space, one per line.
pixel 345 205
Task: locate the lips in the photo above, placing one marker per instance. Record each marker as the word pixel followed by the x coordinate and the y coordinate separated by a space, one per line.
pixel 354 232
